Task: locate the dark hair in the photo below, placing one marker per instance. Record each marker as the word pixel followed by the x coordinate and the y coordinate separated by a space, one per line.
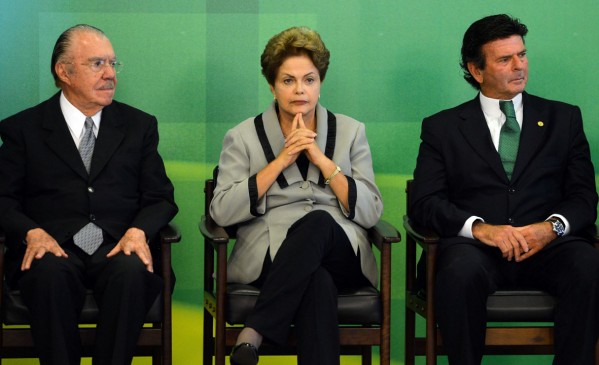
pixel 293 42
pixel 483 31
pixel 64 42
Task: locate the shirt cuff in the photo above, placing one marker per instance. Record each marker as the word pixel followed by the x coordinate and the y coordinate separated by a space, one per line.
pixel 466 230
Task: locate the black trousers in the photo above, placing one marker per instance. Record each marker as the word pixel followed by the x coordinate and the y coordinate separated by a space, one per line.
pixel 468 273
pixel 300 287
pixel 54 290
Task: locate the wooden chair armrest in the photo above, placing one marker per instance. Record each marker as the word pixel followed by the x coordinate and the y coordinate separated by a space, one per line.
pixel 423 235
pixel 383 233
pixel 170 234
pixel 213 232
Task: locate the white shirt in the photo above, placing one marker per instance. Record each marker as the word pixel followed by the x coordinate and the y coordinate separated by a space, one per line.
pixel 495 120
pixel 76 119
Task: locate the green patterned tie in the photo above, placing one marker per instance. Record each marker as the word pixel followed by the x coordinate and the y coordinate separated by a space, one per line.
pixel 509 137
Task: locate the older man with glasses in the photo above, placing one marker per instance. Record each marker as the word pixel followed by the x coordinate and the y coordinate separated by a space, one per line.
pixel 82 191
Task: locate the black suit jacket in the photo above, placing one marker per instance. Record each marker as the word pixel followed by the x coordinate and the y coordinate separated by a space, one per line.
pixel 43 182
pixel 459 173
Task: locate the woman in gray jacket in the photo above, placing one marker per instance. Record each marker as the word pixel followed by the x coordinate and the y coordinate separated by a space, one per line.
pixel 298 181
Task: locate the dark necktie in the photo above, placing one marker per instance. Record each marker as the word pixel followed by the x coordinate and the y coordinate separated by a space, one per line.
pixel 89 238
pixel 509 137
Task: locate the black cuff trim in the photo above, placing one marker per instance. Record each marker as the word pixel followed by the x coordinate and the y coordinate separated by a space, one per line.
pixel 253 191
pixel 352 196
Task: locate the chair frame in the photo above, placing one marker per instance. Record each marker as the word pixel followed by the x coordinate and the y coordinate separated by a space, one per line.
pixel 16 341
pixel 219 337
pixel 501 339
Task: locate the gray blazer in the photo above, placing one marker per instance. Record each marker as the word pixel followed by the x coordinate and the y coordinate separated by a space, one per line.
pixel 263 224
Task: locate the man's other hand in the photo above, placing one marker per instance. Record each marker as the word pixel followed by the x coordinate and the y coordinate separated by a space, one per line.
pixel 134 241
pixel 39 242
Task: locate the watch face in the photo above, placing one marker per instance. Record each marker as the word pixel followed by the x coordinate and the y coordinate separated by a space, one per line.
pixel 558 228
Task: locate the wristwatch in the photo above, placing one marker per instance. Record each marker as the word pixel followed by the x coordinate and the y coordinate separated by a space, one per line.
pixel 558 226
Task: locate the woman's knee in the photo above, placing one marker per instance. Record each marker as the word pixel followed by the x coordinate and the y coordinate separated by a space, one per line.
pixel 318 218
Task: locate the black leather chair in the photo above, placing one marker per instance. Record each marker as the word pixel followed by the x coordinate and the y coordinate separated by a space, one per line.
pixel 155 340
pixel 364 314
pixel 519 321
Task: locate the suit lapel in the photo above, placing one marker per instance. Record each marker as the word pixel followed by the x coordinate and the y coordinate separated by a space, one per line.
pixel 476 132
pixel 532 136
pixel 59 137
pixel 109 138
pixel 326 130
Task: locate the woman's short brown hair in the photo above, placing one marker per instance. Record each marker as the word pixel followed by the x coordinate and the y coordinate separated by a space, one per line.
pixel 293 42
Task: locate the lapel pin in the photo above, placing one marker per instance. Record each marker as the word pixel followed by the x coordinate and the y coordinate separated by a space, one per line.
pixel 540 123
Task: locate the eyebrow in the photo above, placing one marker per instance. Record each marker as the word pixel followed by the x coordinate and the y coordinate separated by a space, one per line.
pixel 98 58
pixel 511 54
pixel 308 74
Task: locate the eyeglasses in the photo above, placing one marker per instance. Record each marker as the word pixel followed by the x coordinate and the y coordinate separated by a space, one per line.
pixel 98 65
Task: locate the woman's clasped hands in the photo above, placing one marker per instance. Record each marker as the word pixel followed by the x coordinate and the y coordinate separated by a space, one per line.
pixel 302 139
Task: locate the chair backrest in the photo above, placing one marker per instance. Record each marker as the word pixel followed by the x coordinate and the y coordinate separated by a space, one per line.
pixel 409 185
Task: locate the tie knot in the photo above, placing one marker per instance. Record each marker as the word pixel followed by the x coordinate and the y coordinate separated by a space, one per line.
pixel 89 123
pixel 507 107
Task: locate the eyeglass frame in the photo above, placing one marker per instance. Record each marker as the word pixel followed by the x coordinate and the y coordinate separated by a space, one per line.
pixel 98 64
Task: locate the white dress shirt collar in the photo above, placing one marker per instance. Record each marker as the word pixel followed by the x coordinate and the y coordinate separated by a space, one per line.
pixel 76 119
pixel 491 107
pixel 495 117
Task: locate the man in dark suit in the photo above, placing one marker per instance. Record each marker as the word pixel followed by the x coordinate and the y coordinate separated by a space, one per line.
pixel 510 191
pixel 82 191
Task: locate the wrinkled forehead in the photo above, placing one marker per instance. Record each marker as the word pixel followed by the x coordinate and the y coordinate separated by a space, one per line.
pixel 88 45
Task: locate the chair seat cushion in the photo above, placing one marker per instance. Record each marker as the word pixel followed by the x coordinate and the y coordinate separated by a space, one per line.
pixel 14 311
pixel 360 306
pixel 520 306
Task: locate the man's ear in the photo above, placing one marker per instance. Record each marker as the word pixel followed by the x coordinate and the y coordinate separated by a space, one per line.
pixel 475 72
pixel 62 72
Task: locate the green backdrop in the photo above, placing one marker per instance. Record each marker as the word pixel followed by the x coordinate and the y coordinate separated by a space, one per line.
pixel 195 65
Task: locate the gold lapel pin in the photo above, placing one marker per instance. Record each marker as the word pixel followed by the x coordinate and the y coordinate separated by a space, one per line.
pixel 540 123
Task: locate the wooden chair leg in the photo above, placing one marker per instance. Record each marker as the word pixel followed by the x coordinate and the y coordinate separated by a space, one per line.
pixel 208 352
pixel 366 355
pixel 410 337
pixel 431 348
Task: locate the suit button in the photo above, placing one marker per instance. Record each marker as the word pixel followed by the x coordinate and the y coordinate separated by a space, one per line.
pixel 92 217
pixel 511 190
pixel 90 189
pixel 308 208
pixel 305 185
pixel 511 220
